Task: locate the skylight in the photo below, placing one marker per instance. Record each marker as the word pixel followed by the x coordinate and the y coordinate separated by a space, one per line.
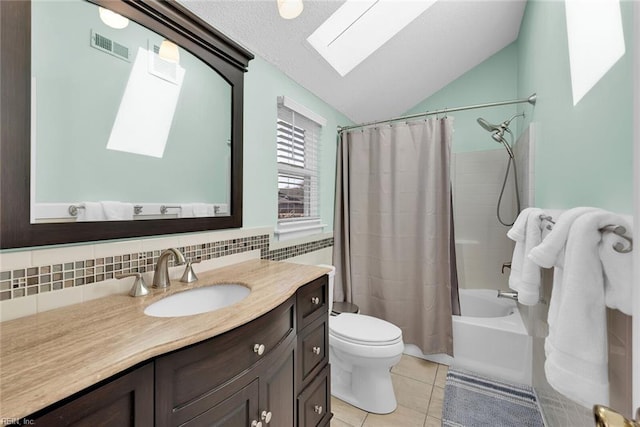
pixel 359 27
pixel 596 41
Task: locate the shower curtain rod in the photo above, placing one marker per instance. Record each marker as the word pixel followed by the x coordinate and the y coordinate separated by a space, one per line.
pixel 531 100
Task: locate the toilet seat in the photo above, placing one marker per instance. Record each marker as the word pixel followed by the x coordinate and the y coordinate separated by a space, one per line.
pixel 364 330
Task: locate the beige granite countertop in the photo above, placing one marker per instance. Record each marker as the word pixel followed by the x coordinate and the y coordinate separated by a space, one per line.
pixel 52 355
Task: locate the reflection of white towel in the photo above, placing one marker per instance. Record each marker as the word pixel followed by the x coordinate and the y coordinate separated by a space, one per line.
pixel 525 274
pixel 186 210
pixel 118 211
pixel 203 209
pixel 576 347
pixel 92 212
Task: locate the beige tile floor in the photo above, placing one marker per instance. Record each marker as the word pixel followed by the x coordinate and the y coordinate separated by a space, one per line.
pixel 419 386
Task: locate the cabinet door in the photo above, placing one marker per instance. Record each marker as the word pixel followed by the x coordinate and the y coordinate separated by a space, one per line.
pixel 277 388
pixel 190 381
pixel 238 410
pixel 314 403
pixel 124 401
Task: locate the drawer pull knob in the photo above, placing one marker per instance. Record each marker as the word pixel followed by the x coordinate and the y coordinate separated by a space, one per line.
pixel 315 300
pixel 266 416
pixel 255 423
pixel 259 349
pixel 317 409
pixel 316 350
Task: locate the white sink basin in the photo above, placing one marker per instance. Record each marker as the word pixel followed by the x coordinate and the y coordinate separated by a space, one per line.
pixel 199 300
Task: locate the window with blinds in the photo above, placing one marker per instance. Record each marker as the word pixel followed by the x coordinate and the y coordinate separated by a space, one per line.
pixel 297 152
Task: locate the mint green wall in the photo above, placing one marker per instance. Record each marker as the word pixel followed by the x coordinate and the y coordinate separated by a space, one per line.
pixel 495 79
pixel 263 84
pixel 584 153
pixel 78 94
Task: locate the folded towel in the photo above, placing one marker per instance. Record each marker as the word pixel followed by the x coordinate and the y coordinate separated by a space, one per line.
pixel 92 212
pixel 203 209
pixel 618 269
pixel 118 211
pixel 549 253
pixel 525 274
pixel 186 210
pixel 576 346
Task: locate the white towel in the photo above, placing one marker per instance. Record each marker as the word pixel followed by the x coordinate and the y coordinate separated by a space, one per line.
pixel 576 346
pixel 118 211
pixel 525 274
pixel 186 210
pixel 550 252
pixel 92 212
pixel 618 269
pixel 203 209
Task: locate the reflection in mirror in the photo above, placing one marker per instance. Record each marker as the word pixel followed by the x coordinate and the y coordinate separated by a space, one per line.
pixel 125 124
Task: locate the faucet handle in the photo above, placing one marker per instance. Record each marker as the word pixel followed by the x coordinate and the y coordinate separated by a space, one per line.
pixel 139 288
pixel 506 265
pixel 189 275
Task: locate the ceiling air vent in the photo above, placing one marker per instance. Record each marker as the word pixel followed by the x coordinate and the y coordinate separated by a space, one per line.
pixel 107 45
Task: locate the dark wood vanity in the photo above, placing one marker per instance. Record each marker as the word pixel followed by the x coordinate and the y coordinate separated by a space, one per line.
pixel 273 370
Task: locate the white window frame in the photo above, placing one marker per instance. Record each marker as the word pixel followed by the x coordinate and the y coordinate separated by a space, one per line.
pixel 310 223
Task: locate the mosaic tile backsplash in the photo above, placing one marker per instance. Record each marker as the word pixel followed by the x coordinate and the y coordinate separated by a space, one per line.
pixel 34 280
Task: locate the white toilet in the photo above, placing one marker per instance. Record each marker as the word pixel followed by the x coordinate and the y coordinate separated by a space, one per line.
pixel 362 351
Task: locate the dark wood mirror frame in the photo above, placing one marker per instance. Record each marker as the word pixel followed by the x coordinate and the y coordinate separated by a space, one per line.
pixel 166 18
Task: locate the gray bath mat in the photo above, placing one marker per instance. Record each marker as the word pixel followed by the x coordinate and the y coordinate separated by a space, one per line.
pixel 474 401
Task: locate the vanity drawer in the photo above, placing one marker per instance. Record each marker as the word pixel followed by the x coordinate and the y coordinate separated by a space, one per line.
pixel 313 344
pixel 314 403
pixel 187 379
pixel 312 301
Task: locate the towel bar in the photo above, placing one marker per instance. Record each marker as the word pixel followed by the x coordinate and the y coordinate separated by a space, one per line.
pixel 618 230
pixel 547 218
pixel 165 208
pixel 73 209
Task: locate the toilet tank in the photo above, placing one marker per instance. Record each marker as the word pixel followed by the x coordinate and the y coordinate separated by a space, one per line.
pixel 331 275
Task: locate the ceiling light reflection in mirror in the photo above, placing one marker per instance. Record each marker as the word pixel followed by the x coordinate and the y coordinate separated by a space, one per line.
pixel 112 19
pixel 359 27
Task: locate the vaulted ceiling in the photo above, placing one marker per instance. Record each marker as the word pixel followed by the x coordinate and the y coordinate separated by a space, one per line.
pixel 447 40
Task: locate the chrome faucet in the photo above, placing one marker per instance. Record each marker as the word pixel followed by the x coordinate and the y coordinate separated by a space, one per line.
pixel 510 295
pixel 161 275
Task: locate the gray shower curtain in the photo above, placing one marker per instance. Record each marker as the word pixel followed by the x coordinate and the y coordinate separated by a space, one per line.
pixel 393 231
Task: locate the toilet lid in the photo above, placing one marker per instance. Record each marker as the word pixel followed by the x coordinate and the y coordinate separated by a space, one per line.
pixel 361 329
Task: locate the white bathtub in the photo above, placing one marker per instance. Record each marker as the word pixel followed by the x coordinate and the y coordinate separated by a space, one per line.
pixel 489 338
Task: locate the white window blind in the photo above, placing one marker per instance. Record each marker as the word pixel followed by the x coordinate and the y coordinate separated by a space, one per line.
pixel 298 165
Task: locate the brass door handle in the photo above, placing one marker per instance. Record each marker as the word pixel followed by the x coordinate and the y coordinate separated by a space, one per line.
pixel 607 417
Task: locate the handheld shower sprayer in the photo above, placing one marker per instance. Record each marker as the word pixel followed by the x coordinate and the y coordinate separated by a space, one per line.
pixel 497 133
pixel 499 130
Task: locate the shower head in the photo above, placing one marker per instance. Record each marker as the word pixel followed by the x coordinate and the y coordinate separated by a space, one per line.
pixel 499 130
pixel 499 137
pixel 487 126
pixel 494 128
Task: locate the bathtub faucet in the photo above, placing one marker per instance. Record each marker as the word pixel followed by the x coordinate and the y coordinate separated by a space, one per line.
pixel 511 295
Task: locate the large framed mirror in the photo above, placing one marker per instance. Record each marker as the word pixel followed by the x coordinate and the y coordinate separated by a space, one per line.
pixel 117 129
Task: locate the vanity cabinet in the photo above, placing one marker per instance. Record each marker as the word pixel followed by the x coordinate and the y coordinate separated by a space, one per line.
pixel 124 401
pixel 231 374
pixel 272 371
pixel 313 370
